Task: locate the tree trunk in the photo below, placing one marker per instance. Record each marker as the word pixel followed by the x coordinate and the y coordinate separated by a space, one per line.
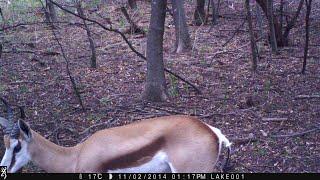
pixel 292 23
pixel 183 42
pixel 306 48
pixel 134 29
pixel 3 18
pixel 252 39
pixel 214 13
pixel 52 12
pixel 259 19
pixel 273 40
pixel 155 88
pixel 264 6
pixel 92 46
pixel 1 47
pixel 132 4
pixel 281 15
pixel 2 32
pixel 199 14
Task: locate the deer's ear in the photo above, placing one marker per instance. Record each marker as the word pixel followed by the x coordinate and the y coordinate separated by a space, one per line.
pixel 25 129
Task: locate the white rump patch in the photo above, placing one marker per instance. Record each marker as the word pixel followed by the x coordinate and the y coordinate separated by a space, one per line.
pixel 222 138
pixel 158 164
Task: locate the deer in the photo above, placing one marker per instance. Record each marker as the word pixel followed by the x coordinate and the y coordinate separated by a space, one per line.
pixel 167 144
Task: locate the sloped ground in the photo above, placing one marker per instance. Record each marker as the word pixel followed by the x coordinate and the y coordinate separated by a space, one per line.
pixel 233 98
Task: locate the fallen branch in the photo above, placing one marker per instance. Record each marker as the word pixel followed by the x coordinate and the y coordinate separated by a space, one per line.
pixel 307 96
pixel 49 53
pixel 216 114
pixel 26 82
pixel 168 111
pixel 274 119
pixel 37 23
pixel 297 134
pixel 94 126
pixel 244 140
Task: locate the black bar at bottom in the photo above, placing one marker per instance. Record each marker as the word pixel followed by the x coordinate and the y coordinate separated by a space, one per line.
pixel 157 176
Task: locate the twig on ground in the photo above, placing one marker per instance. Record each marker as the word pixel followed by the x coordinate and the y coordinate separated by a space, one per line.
pixel 216 114
pixel 307 96
pixel 244 140
pixel 297 134
pixel 49 53
pixel 275 119
pixel 96 125
pixel 26 82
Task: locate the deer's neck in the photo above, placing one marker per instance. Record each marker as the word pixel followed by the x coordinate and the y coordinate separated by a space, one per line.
pixel 51 157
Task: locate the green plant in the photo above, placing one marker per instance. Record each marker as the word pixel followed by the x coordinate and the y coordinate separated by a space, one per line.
pixel 23 89
pixel 267 85
pixel 186 87
pixel 105 100
pixel 173 89
pixel 262 152
pixel 2 88
pixel 122 22
pixel 95 117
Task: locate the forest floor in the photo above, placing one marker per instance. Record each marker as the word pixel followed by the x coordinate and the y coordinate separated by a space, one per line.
pixel 252 109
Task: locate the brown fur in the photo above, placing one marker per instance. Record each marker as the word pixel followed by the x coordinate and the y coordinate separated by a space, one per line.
pixel 191 146
pixel 6 140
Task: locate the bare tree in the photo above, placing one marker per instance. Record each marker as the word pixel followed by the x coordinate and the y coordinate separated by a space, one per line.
pixel 281 14
pixel 214 12
pixel 259 19
pixel 291 23
pixel 64 55
pixel 306 48
pixel 132 4
pixel 155 88
pixel 90 38
pixel 282 38
pixel 1 32
pixel 183 42
pixel 273 40
pixel 110 29
pixel 4 21
pixel 199 13
pixel 252 39
pixel 52 15
pixel 134 28
pixel 264 6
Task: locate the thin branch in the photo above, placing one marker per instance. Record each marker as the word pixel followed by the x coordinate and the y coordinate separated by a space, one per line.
pixel 293 20
pixel 134 29
pixel 297 134
pixel 109 122
pixel 126 40
pixel 90 38
pixel 73 82
pixel 49 53
pixel 235 32
pixel 25 82
pixel 307 96
pixel 36 23
pixel 275 119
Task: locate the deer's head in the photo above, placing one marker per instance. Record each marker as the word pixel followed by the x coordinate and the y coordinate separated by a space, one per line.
pixel 17 136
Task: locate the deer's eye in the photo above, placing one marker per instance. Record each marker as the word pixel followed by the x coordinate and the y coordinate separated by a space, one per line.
pixel 17 148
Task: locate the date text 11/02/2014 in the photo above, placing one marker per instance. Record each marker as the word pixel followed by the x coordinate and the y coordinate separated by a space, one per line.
pixel 176 176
